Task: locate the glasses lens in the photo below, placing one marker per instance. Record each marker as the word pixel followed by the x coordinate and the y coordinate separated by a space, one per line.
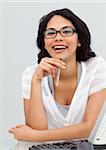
pixel 50 33
pixel 67 31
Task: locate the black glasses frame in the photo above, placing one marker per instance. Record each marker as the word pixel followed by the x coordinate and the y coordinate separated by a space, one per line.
pixel 59 31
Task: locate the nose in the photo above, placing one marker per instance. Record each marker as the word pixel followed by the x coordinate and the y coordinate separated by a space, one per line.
pixel 58 37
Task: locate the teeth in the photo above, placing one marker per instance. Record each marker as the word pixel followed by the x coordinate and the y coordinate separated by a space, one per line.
pixel 59 47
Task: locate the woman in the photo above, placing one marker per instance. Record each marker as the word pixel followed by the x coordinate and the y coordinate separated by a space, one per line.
pixel 68 109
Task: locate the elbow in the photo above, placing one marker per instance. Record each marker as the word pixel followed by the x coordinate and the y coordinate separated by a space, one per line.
pixel 39 127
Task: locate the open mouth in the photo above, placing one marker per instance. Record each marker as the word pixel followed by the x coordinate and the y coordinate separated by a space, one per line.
pixel 59 47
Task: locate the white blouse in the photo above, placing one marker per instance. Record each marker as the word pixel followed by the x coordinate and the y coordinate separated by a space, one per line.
pixel 92 80
pixel 64 108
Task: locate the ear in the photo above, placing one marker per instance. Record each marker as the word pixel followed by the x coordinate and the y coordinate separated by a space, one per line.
pixel 79 44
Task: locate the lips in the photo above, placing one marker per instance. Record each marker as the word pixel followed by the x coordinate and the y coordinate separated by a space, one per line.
pixel 59 47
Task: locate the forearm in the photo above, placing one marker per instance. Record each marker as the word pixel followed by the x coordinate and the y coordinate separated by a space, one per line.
pixel 36 116
pixel 78 131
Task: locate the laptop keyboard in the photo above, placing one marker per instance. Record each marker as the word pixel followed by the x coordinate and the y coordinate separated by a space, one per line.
pixel 55 146
pixel 67 145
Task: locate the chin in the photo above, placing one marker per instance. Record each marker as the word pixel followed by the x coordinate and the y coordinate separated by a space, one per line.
pixel 64 58
pixel 61 56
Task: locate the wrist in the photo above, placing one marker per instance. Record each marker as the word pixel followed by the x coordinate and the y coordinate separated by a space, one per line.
pixel 36 78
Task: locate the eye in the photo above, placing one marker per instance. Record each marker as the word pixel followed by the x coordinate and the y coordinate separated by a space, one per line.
pixel 50 33
pixel 67 31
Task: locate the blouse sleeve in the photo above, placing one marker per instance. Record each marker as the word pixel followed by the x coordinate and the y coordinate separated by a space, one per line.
pixel 26 84
pixel 99 80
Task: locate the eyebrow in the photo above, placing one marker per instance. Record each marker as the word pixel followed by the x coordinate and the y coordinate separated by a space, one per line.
pixel 60 28
pixel 50 29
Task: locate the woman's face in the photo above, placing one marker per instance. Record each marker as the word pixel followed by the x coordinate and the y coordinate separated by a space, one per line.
pixel 61 47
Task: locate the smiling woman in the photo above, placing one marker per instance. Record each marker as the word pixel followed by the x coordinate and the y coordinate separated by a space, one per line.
pixel 54 43
pixel 62 112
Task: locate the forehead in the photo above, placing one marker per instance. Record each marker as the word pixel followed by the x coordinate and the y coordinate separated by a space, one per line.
pixel 58 22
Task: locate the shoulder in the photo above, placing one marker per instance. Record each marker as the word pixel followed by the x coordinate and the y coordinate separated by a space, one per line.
pixel 95 63
pixel 28 72
pixel 96 74
pixel 95 60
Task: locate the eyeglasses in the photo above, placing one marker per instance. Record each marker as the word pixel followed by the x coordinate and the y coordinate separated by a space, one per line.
pixel 65 32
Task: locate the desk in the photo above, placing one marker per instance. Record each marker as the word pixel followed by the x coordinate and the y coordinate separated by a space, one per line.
pixel 12 144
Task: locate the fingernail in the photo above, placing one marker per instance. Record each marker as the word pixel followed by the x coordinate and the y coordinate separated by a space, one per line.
pixel 64 63
pixel 64 67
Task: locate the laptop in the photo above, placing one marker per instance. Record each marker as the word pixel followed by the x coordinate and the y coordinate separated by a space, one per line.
pixel 96 140
pixel 98 133
pixel 65 145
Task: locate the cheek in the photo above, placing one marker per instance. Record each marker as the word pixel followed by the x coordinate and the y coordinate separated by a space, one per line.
pixel 47 43
pixel 73 41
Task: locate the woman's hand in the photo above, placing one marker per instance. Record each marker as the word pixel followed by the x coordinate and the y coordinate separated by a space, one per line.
pixel 23 133
pixel 48 66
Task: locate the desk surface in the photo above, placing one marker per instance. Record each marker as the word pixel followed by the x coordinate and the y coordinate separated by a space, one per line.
pixel 12 144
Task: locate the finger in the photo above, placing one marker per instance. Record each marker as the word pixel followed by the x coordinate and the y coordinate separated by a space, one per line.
pixel 47 67
pixel 60 61
pixel 50 66
pixel 11 131
pixel 54 62
pixel 18 126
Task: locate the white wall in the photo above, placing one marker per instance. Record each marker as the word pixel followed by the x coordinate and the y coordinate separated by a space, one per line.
pixel 18 49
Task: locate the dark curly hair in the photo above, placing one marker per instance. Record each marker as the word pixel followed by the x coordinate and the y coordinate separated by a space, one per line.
pixel 83 52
